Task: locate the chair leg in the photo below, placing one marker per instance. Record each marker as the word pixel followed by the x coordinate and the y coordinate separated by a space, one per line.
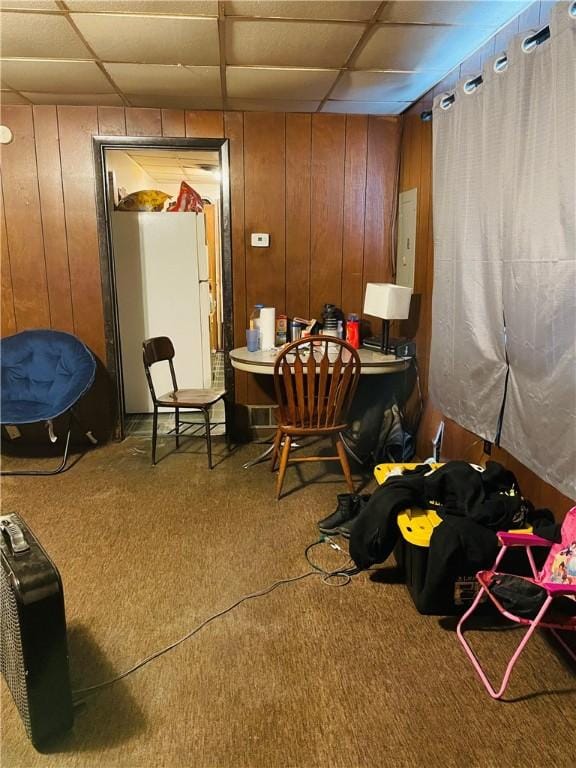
pixel 154 433
pixel 227 421
pixel 283 464
pixel 345 465
pixel 208 436
pixel 276 448
pixel 496 694
pixel 177 426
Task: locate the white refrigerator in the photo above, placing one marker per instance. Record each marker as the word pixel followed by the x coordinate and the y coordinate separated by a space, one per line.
pixel 162 289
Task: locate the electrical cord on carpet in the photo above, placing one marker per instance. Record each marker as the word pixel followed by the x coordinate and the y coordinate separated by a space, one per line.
pixel 328 578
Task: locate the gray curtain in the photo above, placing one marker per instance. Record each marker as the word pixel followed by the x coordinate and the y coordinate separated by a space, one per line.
pixel 503 354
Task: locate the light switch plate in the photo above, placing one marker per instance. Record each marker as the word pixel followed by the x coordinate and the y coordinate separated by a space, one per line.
pixel 260 239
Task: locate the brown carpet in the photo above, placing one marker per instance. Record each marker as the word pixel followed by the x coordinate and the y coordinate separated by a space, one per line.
pixel 307 676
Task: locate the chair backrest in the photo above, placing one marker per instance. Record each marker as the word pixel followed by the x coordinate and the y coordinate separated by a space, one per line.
pixel 560 565
pixel 43 374
pixel 315 379
pixel 157 350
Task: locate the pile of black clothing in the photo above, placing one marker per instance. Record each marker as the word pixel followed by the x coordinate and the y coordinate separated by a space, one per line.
pixel 473 505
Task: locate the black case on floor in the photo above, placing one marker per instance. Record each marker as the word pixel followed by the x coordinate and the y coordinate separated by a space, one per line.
pixel 33 651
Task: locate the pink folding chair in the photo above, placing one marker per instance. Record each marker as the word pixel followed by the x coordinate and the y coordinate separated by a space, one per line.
pixel 557 578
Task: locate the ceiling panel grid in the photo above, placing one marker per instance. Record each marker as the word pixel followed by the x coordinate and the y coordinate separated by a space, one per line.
pixel 343 56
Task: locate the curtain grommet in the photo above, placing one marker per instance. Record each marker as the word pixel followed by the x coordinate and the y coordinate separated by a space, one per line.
pixel 501 63
pixel 473 84
pixel 447 101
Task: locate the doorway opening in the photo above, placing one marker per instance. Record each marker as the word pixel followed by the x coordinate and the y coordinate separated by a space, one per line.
pixel 164 220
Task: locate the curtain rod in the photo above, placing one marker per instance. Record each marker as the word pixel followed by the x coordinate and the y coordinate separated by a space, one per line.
pixel 528 44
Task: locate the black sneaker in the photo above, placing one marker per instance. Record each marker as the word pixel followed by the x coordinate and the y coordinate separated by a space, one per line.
pixel 344 511
pixel 346 527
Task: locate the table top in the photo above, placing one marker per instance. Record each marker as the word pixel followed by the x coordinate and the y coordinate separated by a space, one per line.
pixel 371 362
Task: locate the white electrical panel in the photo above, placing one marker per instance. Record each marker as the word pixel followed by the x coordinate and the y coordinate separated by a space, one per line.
pixel 405 254
pixel 260 239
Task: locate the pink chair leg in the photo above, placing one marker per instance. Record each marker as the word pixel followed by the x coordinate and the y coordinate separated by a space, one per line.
pixel 474 659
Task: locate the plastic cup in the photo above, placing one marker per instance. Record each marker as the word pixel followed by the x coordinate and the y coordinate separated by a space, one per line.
pixel 252 339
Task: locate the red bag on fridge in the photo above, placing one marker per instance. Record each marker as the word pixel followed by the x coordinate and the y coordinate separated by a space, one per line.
pixel 187 200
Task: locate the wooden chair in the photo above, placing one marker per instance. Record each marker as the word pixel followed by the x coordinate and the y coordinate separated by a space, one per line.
pixel 161 349
pixel 315 379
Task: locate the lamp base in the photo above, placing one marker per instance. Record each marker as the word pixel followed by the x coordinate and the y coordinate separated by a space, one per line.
pixel 398 347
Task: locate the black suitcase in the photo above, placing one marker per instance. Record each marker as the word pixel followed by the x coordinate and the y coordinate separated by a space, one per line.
pixel 33 651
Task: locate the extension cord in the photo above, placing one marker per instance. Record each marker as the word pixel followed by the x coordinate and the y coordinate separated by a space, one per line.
pixel 328 540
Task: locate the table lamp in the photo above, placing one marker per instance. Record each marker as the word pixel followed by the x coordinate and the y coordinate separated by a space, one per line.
pixel 389 302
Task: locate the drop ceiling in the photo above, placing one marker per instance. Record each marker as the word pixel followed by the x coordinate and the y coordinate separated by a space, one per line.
pixel 173 166
pixel 355 56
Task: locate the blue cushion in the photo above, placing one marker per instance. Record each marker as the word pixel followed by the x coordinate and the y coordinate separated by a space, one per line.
pixel 43 374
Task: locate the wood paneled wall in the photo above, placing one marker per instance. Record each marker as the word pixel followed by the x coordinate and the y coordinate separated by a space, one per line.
pixel 323 186
pixel 416 171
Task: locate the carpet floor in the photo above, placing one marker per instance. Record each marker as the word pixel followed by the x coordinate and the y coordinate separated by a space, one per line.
pixel 307 676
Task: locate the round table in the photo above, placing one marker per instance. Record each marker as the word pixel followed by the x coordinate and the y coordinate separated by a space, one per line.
pixel 371 362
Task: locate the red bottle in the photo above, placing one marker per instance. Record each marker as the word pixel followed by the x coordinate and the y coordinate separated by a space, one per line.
pixel 353 331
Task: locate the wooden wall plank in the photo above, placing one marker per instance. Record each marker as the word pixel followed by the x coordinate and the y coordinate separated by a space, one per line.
pixel 264 199
pixel 298 157
pixel 8 316
pixel 383 148
pixel 326 210
pixel 111 121
pixel 77 126
pixel 53 219
pixel 265 209
pixel 173 122
pixel 354 212
pixel 204 125
pixel 23 222
pixel 141 121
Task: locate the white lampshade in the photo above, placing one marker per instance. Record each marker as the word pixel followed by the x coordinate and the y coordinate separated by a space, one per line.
pixel 388 301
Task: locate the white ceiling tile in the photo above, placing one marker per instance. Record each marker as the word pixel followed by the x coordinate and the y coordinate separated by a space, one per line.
pixel 150 39
pixel 10 97
pixel 272 105
pixel 419 47
pixel 366 107
pixel 55 76
pixel 172 101
pixel 167 7
pixel 41 36
pixel 469 12
pixel 383 86
pixel 81 99
pixel 250 83
pixel 179 87
pixel 30 5
pixel 290 43
pixel 357 10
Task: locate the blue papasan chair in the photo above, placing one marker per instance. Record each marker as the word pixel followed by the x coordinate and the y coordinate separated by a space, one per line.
pixel 44 374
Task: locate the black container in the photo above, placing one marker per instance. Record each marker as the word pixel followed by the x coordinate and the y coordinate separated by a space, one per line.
pixel 33 651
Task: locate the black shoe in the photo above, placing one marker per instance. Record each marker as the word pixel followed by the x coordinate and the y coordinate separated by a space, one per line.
pixel 343 512
pixel 345 528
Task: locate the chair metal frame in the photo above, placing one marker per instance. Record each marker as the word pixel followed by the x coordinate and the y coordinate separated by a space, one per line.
pixel 160 349
pixel 317 405
pixel 553 590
